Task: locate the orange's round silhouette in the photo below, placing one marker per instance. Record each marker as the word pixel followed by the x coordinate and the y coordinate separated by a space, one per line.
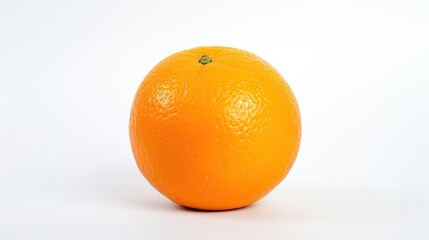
pixel 214 128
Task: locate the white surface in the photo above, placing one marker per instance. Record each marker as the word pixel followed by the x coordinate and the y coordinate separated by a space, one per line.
pixel 69 71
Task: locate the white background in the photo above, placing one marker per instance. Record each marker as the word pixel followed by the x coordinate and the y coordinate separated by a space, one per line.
pixel 69 71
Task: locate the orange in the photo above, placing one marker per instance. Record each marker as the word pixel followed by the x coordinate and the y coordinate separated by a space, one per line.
pixel 214 128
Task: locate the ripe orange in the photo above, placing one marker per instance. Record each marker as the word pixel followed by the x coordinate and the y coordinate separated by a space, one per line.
pixel 214 128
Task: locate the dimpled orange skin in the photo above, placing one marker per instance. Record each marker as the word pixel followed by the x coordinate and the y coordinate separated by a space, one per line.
pixel 214 136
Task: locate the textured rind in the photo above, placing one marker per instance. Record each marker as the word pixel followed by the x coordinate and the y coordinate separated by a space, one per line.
pixel 216 136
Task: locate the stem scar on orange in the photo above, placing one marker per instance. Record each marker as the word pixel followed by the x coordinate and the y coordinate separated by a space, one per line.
pixel 214 128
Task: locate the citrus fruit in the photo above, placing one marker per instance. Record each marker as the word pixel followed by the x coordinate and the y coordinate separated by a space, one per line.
pixel 214 128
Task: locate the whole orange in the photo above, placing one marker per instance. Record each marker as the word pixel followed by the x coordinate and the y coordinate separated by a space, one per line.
pixel 214 128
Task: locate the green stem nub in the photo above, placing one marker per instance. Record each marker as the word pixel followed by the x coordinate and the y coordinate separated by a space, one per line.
pixel 204 59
